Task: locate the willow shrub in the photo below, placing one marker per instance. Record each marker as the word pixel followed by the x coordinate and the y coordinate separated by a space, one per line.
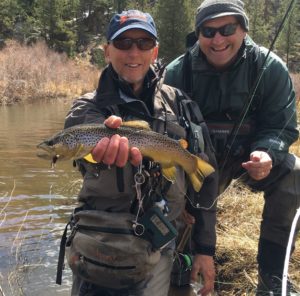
pixel 34 72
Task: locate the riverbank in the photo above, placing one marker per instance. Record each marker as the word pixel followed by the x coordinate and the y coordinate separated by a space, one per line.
pixel 239 216
pixel 35 72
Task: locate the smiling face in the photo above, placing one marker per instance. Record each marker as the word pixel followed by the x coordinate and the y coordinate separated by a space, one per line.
pixel 221 51
pixel 131 64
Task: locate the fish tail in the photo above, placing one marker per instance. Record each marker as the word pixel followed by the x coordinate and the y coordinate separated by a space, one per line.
pixel 203 169
pixel 169 173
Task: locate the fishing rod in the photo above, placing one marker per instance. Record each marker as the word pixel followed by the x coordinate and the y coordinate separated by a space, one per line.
pixel 234 132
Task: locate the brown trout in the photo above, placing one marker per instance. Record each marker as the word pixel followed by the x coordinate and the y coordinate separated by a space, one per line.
pixel 78 141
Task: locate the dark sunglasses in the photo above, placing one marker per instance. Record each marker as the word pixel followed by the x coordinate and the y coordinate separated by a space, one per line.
pixel 141 43
pixel 210 32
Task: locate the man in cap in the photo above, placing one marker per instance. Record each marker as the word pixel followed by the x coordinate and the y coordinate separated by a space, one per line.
pixel 130 87
pixel 251 132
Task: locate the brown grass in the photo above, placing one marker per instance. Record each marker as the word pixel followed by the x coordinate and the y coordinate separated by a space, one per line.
pixel 296 81
pixel 239 216
pixel 34 72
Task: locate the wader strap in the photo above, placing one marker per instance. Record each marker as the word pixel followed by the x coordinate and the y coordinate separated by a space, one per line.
pixel 186 235
pixel 192 118
pixel 120 179
pixel 61 256
pixel 187 74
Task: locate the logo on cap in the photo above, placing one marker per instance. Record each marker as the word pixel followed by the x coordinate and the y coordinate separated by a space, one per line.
pixel 125 18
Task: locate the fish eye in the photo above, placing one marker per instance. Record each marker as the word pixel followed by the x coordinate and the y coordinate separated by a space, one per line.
pixel 50 142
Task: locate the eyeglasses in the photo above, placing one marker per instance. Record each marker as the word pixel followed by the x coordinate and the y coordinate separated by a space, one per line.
pixel 141 43
pixel 210 32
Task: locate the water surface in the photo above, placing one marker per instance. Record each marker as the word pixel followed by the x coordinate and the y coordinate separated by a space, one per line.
pixel 35 200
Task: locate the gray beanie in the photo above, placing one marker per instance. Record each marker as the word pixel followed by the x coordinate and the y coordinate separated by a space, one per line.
pixel 211 9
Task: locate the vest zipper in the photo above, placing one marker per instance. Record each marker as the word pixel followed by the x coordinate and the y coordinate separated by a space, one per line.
pixel 84 259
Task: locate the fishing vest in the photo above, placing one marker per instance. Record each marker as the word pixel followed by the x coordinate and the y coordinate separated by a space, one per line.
pixel 111 192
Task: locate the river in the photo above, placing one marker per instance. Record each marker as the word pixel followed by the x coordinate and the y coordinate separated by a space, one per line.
pixel 35 200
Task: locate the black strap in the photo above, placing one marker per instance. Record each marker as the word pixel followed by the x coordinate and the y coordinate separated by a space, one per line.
pixel 187 74
pixel 61 256
pixel 188 107
pixel 120 179
pixel 141 115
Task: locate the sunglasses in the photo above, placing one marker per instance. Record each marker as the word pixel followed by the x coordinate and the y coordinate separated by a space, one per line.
pixel 141 43
pixel 227 30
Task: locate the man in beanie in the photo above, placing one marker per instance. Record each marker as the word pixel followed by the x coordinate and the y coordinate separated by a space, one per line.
pixel 251 133
pixel 120 189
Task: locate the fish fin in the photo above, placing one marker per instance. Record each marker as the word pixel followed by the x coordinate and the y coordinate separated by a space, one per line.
pixel 89 158
pixel 183 143
pixel 203 170
pixel 169 173
pixel 141 124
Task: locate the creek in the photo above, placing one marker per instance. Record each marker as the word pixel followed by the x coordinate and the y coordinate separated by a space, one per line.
pixel 35 200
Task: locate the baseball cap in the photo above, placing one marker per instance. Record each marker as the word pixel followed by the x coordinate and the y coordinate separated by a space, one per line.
pixel 130 19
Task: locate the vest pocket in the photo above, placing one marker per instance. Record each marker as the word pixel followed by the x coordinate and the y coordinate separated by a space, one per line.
pixel 103 249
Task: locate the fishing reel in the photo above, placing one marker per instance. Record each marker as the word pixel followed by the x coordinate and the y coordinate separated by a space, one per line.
pixel 182 267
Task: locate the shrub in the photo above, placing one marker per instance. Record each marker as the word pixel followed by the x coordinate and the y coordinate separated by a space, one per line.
pixel 35 72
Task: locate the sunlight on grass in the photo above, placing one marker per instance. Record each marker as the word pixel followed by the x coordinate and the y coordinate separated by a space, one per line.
pixel 35 72
pixel 239 216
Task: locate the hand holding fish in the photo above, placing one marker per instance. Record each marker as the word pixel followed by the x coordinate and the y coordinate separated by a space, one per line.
pixel 115 150
pixel 128 141
pixel 259 165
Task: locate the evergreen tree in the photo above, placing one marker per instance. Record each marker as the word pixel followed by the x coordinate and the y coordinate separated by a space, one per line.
pixel 288 41
pixel 92 19
pixel 68 25
pixel 258 28
pixel 54 17
pixel 173 19
pixel 10 13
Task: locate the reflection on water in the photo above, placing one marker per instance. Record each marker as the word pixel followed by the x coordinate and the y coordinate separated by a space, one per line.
pixel 35 200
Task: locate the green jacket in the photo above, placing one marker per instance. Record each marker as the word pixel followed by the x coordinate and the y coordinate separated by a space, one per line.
pixel 270 123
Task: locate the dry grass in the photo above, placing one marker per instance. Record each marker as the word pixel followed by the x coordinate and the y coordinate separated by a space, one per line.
pixel 34 72
pixel 296 82
pixel 239 216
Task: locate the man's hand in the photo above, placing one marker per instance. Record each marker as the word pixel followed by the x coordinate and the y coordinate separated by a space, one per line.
pixel 204 265
pixel 259 165
pixel 116 149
